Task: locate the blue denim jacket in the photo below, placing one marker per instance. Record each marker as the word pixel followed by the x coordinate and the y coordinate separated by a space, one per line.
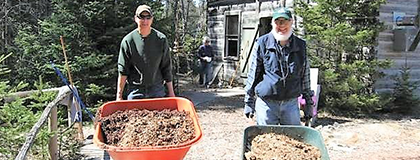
pixel 267 77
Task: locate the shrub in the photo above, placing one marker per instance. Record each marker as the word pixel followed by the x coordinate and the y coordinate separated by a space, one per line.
pixel 404 99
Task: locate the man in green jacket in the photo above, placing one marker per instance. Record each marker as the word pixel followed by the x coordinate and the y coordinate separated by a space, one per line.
pixel 144 62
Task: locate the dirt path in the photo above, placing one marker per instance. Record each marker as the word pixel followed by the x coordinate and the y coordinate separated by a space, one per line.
pixel 223 123
pixel 373 139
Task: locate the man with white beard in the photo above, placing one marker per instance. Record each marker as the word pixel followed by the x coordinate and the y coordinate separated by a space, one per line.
pixel 278 74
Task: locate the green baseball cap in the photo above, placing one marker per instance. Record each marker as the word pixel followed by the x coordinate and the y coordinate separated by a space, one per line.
pixel 282 13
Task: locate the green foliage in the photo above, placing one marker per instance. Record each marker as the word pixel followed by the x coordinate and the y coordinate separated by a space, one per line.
pixel 404 100
pixel 3 83
pixel 88 63
pixel 92 32
pixel 3 70
pixel 95 92
pixel 11 136
pixel 16 119
pixel 19 13
pixel 46 40
pixel 341 37
pixel 69 145
pixel 187 56
pixel 192 42
pixel 349 86
pixel 39 100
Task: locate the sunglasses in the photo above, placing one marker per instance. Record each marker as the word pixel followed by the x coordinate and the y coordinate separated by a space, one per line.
pixel 143 17
pixel 281 21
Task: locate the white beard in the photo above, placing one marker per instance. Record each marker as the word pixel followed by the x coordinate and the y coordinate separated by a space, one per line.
pixel 281 37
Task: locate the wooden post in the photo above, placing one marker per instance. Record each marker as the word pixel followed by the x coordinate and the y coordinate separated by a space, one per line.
pixel 78 125
pixel 69 103
pixel 30 137
pixel 258 4
pixel 52 145
pixel 65 59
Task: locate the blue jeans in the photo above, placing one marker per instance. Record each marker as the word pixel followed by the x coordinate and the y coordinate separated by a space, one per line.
pixel 206 72
pixel 156 91
pixel 274 112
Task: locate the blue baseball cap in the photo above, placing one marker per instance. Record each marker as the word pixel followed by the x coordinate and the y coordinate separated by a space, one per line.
pixel 282 13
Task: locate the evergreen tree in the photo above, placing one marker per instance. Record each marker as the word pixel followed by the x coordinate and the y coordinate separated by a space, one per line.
pixel 38 46
pixel 404 100
pixel 341 37
pixel 92 32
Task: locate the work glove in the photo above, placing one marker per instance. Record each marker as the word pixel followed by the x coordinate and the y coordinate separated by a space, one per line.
pixel 135 95
pixel 308 109
pixel 249 110
pixel 309 106
pixel 207 59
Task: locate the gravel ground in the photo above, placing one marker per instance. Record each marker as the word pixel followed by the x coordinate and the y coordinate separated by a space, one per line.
pixel 385 139
pixel 391 137
pixel 223 124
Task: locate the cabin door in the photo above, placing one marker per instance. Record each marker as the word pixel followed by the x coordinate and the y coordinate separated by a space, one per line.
pixel 251 30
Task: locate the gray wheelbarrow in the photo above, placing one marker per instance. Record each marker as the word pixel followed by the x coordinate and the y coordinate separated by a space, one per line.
pixel 300 133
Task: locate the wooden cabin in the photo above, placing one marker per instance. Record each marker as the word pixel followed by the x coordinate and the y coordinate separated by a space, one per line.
pixel 394 42
pixel 233 26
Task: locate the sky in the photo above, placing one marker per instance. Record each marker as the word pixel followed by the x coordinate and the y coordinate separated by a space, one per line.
pixel 197 2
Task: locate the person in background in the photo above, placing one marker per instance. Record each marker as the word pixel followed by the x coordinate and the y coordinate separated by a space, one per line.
pixel 205 55
pixel 278 75
pixel 144 62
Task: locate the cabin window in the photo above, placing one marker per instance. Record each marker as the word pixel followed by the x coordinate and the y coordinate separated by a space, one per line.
pixel 265 25
pixel 232 36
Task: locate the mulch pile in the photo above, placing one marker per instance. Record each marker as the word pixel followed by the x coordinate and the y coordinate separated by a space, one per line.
pixel 145 128
pixel 271 146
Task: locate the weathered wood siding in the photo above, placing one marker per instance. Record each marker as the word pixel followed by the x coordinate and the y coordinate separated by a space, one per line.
pixel 386 44
pixel 249 17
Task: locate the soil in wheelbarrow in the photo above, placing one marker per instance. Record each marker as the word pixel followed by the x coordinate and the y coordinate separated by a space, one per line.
pixel 145 128
pixel 272 146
